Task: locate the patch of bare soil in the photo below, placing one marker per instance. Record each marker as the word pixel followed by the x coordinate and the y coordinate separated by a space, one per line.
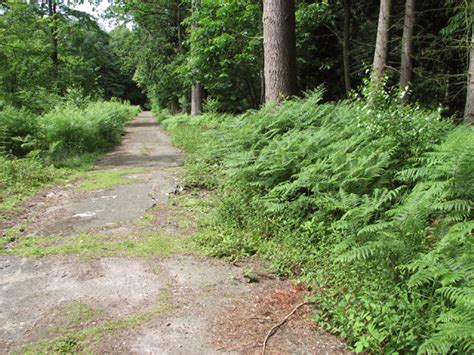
pixel 34 206
pixel 33 290
pixel 243 325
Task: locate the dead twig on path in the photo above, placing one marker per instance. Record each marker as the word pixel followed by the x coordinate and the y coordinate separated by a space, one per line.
pixel 283 321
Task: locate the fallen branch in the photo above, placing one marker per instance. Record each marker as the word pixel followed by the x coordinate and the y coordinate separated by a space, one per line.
pixel 275 327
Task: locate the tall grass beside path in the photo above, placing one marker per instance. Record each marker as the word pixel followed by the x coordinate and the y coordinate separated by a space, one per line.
pixel 70 137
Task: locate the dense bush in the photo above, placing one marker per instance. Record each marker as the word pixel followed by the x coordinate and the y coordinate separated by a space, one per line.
pixel 71 129
pixel 371 206
pixel 72 134
pixel 22 176
pixel 15 127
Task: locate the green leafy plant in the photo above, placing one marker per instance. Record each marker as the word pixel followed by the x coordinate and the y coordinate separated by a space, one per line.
pixel 372 206
pixel 68 136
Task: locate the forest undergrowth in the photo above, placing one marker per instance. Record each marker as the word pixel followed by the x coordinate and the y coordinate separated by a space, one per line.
pixel 38 149
pixel 371 206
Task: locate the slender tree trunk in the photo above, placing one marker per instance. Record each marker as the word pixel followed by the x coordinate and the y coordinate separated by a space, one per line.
pixel 252 93
pixel 178 25
pixel 54 39
pixel 346 45
pixel 261 72
pixel 469 110
pixel 196 99
pixel 406 68
pixel 179 32
pixel 196 89
pixel 279 48
pixel 174 105
pixel 381 44
pixel 185 103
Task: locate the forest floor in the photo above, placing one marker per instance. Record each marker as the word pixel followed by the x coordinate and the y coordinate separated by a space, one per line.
pixel 106 264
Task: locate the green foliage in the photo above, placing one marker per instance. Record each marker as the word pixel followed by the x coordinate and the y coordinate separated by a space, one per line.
pixel 372 206
pixel 219 44
pixel 72 129
pixel 155 49
pixel 106 179
pixel 75 126
pixel 69 131
pixel 85 58
pixel 21 177
pixel 319 49
pixel 16 126
pixel 226 52
pixel 187 133
pixel 17 172
pixel 149 244
pixel 71 135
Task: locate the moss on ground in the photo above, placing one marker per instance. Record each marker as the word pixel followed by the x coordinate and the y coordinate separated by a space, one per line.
pixel 89 181
pixel 11 202
pixel 106 179
pixel 147 244
pixel 9 235
pixel 148 219
pixel 23 178
pixel 79 313
pixel 85 340
pixel 10 205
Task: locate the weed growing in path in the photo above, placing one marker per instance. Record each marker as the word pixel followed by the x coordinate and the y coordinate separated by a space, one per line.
pixel 86 339
pixel 106 179
pixel 149 244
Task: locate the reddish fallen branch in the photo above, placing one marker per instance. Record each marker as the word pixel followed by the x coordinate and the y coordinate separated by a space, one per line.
pixel 275 327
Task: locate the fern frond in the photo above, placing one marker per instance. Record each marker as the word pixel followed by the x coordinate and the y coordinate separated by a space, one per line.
pixel 458 295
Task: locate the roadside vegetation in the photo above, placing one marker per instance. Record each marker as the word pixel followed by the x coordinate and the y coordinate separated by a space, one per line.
pixel 370 206
pixel 64 98
pixel 41 149
pixel 336 138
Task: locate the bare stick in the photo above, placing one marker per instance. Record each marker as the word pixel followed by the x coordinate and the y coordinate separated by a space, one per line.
pixel 275 327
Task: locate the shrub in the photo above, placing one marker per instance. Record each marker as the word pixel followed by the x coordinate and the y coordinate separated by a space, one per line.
pixel 370 206
pixel 16 126
pixel 20 177
pixel 69 131
pixel 70 135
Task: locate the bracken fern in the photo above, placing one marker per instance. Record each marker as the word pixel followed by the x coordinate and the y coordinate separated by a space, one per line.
pixel 371 206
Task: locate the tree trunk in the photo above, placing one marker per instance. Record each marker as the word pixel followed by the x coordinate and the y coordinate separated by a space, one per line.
pixel 179 29
pixel 54 39
pixel 262 86
pixel 406 68
pixel 346 45
pixel 469 110
pixel 196 89
pixel 174 105
pixel 196 99
pixel 381 44
pixel 279 49
pixel 261 72
pixel 185 103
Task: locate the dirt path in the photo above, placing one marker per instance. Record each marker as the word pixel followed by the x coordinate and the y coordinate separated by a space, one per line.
pixel 106 265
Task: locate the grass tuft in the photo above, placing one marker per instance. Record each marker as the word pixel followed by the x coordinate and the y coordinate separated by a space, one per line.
pixel 106 179
pixel 85 340
pixel 147 244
